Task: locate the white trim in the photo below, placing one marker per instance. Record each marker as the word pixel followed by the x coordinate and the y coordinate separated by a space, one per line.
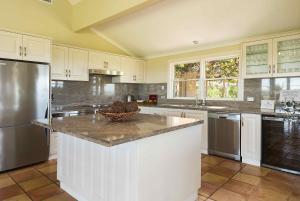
pixel 112 41
pixel 225 44
pixel 203 47
pixel 202 59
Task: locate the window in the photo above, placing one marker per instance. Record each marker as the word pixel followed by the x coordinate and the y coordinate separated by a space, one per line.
pixel 186 79
pixel 212 78
pixel 222 78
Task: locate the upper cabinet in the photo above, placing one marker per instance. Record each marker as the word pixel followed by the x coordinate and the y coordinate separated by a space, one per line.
pixel 24 47
pixel 101 60
pixel 272 58
pixel 133 71
pixel 257 59
pixel 36 49
pixel 286 55
pixel 69 64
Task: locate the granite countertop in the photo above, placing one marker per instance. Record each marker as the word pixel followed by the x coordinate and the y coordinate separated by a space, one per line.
pixel 97 129
pixel 223 109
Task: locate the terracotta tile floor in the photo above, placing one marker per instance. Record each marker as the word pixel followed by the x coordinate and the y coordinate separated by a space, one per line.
pixel 222 179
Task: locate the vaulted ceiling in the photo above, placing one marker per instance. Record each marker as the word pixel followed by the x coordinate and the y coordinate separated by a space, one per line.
pixel 73 2
pixel 171 25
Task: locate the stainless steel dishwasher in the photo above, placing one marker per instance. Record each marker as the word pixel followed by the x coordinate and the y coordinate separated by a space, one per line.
pixel 224 137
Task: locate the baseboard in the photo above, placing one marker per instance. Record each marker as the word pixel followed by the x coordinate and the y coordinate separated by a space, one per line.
pixel 251 162
pixel 51 157
pixel 72 193
pixel 193 197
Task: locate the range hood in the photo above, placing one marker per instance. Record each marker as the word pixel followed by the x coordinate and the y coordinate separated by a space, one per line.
pixel 105 72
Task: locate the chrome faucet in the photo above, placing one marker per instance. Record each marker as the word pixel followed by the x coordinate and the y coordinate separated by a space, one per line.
pixel 203 102
pixel 196 101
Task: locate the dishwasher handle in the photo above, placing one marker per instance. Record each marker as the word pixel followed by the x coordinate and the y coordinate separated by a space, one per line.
pixel 229 116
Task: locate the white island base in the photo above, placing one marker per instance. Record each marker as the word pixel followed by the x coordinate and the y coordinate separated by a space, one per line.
pixel 165 167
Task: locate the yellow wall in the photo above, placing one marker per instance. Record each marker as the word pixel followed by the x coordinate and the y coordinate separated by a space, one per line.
pixel 157 68
pixel 33 16
pixel 89 12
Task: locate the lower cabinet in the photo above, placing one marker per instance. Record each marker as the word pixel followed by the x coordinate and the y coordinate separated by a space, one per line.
pixel 53 145
pixel 251 139
pixel 195 114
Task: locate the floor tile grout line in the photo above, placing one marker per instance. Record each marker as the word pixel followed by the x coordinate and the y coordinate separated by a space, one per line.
pixel 20 187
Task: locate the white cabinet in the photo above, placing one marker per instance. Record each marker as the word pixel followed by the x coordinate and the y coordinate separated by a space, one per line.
pixel 60 62
pixel 78 65
pixel 24 47
pixel 69 64
pixel 36 49
pixel 10 45
pixel 53 145
pixel 133 71
pixel 195 114
pixel 286 56
pixel 113 62
pixel 275 57
pixel 257 59
pixel 101 60
pixel 251 139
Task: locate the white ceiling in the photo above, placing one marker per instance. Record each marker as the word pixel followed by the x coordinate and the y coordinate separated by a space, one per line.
pixel 73 2
pixel 171 25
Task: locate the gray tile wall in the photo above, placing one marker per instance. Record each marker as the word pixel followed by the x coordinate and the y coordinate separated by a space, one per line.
pixel 101 90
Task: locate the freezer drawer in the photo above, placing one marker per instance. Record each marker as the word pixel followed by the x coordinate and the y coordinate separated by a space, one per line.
pixel 224 135
pixel 23 145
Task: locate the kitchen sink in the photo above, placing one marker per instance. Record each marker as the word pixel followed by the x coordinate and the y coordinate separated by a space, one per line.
pixel 212 107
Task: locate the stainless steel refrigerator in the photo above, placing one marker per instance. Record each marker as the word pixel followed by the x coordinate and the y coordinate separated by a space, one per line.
pixel 24 96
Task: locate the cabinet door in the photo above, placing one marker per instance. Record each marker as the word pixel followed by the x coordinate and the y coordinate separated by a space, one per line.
pixel 128 69
pixel 251 139
pixel 59 63
pixel 286 55
pixel 36 49
pixel 11 45
pixel 114 62
pixel 174 113
pixel 53 144
pixel 140 71
pixel 78 65
pixel 257 59
pixel 204 135
pixel 97 60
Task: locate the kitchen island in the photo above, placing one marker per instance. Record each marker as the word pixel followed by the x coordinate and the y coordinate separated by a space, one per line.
pixel 150 158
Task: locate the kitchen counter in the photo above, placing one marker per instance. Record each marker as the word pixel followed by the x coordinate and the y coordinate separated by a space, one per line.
pixel 221 109
pixel 128 161
pixel 97 129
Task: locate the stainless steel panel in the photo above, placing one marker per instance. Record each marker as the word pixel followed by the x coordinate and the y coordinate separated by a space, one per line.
pixel 224 135
pixel 23 145
pixel 24 89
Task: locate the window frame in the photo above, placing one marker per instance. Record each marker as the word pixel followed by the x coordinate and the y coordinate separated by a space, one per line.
pixel 171 80
pixel 202 79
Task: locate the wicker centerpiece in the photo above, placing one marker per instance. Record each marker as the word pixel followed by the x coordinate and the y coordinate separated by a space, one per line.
pixel 119 111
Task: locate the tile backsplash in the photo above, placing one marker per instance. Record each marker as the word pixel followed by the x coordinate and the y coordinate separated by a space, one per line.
pixel 101 90
pixel 269 88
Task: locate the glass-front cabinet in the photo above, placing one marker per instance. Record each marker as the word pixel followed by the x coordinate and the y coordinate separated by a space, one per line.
pixel 257 59
pixel 275 57
pixel 286 56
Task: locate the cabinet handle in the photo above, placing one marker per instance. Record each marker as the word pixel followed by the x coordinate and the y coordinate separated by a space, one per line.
pixel 25 51
pixel 274 68
pixel 66 73
pixel 242 121
pixel 20 50
pixel 270 69
pixel 69 72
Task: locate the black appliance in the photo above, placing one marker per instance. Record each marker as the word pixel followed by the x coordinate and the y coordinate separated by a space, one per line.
pixel 281 142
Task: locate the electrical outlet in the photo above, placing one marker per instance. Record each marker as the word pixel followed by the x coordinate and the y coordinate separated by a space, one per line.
pixel 250 99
